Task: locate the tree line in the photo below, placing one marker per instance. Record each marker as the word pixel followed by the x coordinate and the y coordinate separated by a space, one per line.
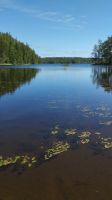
pixel 15 52
pixel 65 60
pixel 102 52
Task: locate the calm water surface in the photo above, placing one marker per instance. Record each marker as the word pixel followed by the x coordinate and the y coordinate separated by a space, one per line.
pixel 56 132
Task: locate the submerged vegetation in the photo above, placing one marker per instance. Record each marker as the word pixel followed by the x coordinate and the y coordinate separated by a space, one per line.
pixel 21 160
pixel 70 131
pixel 65 140
pixel 58 148
pixel 15 52
pixel 107 143
pixel 84 137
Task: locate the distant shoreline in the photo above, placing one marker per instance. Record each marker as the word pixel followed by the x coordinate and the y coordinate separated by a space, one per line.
pixel 15 64
pixel 5 64
pixel 105 64
pixel 65 64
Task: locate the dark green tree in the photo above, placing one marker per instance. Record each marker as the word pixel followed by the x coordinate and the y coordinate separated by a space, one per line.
pixel 102 53
pixel 15 52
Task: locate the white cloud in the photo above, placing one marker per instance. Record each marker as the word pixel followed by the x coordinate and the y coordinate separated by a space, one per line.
pixel 67 20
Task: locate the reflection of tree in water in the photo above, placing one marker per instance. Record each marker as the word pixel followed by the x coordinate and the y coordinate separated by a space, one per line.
pixel 102 76
pixel 12 78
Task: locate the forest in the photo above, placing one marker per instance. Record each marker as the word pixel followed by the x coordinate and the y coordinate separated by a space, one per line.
pixel 102 52
pixel 65 60
pixel 15 52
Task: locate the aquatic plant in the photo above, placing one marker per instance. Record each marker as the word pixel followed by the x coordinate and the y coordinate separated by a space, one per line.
pixel 28 161
pixel 106 142
pixel 7 161
pixel 22 160
pixel 81 138
pixel 58 148
pixel 85 137
pixel 70 132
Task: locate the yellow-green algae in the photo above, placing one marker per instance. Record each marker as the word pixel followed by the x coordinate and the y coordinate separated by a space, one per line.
pixel 58 148
pixel 23 160
pixel 84 137
pixel 106 142
pixel 70 131
pixel 7 161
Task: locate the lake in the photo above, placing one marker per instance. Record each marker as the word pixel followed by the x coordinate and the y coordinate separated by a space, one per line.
pixel 56 132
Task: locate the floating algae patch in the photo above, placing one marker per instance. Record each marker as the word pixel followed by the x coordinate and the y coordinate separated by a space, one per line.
pixel 55 131
pixel 56 149
pixel 106 142
pixel 28 161
pixel 85 137
pixel 21 160
pixel 8 161
pixel 70 132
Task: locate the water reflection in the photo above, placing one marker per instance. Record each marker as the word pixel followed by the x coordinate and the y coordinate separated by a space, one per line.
pixel 62 112
pixel 12 78
pixel 102 76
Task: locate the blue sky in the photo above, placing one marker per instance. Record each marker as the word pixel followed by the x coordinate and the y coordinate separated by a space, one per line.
pixel 57 27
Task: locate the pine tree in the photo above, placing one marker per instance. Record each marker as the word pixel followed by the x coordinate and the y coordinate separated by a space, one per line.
pixel 15 52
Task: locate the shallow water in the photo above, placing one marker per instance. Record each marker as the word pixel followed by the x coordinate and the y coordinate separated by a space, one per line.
pixel 56 132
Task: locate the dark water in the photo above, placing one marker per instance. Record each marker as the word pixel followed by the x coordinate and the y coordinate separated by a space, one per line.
pixel 56 132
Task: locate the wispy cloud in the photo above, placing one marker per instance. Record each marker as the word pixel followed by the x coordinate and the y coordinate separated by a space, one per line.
pixel 66 19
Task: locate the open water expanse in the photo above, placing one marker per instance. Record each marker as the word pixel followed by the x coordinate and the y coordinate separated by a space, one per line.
pixel 56 132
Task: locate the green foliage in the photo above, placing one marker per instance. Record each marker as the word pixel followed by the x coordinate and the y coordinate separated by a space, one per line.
pixel 15 52
pixel 102 52
pixel 65 60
